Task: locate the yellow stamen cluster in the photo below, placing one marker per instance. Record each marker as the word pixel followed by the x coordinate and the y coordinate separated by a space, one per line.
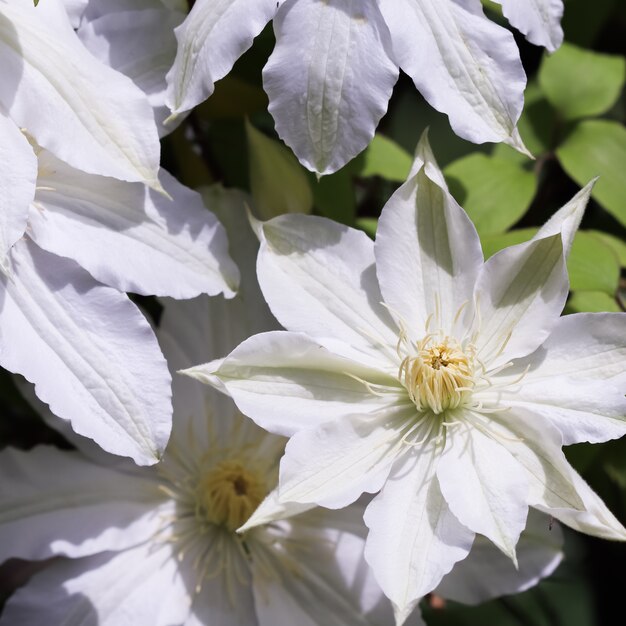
pixel 229 493
pixel 438 375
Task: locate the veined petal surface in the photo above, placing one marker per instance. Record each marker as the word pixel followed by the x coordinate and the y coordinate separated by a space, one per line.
pixel 329 78
pixel 212 37
pixel 56 502
pixel 428 254
pixel 318 277
pixel 97 361
pixel 131 237
pixel 95 118
pixel 464 65
pixel 17 184
pixel 539 20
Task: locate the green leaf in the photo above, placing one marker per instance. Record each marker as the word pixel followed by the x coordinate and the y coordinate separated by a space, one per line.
pixel 536 124
pixel 598 148
pixel 278 182
pixel 334 196
pixel 591 301
pixel 495 192
pixel 232 98
pixel 592 265
pixel 581 83
pixel 385 158
pixel 368 225
pixel 617 245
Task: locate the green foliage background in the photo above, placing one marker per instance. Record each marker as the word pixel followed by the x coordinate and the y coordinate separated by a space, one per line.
pixel 574 123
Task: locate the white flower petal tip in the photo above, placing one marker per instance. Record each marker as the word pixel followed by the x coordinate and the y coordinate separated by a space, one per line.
pixel 255 224
pixel 401 614
pixel 516 142
pixel 272 509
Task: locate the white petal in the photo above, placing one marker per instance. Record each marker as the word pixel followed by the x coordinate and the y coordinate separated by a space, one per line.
pixel 137 586
pixel 555 487
pixel 590 410
pixel 17 184
pixel 428 254
pixel 286 382
pixel 131 237
pixel 140 44
pixel 465 65
pixel 95 118
pixel 539 20
pixel 483 484
pixel 98 363
pixel 55 502
pixel 318 277
pixel 486 573
pixel 414 539
pixel 214 35
pixel 520 294
pixel 329 79
pixel 75 10
pixel 359 449
pixel 272 509
pixel 582 346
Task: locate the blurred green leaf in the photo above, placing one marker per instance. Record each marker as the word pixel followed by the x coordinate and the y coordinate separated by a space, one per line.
pixel 598 148
pixel 495 243
pixel 592 265
pixel 591 301
pixel 278 183
pixel 333 196
pixel 232 98
pixel 384 157
pixel 581 83
pixel 617 245
pixel 537 122
pixel 368 224
pixel 495 192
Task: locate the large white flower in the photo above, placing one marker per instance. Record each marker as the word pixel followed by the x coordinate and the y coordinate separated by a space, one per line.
pixel 81 110
pixel 97 361
pixel 158 546
pixel 414 368
pixel 335 63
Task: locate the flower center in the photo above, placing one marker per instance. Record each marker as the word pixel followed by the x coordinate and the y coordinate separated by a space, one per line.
pixel 229 493
pixel 439 374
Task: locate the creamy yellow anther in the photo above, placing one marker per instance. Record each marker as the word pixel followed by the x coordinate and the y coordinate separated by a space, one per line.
pixel 229 493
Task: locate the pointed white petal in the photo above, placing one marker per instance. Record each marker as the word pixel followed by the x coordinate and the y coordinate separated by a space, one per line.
pixel 428 254
pixel 131 237
pixel 285 381
pixel 414 539
pixel 582 410
pixel 520 294
pixel 55 502
pixel 555 487
pixel 465 65
pixel 483 484
pixel 539 20
pixel 140 44
pixel 75 10
pixel 95 118
pixel 581 346
pixel 329 79
pixel 212 37
pixel 17 184
pixel 359 449
pixel 98 363
pixel 137 586
pixel 486 573
pixel 566 220
pixel 318 277
pixel 272 509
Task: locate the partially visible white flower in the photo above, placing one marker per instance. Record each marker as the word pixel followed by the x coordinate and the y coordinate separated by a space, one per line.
pixel 413 368
pixel 82 111
pixel 159 546
pixel 539 20
pixel 97 360
pixel 335 63
pixel 136 39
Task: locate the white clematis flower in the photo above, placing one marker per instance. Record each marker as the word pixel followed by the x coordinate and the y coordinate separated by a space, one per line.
pixel 413 368
pixel 159 546
pixel 85 113
pixel 98 362
pixel 335 63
